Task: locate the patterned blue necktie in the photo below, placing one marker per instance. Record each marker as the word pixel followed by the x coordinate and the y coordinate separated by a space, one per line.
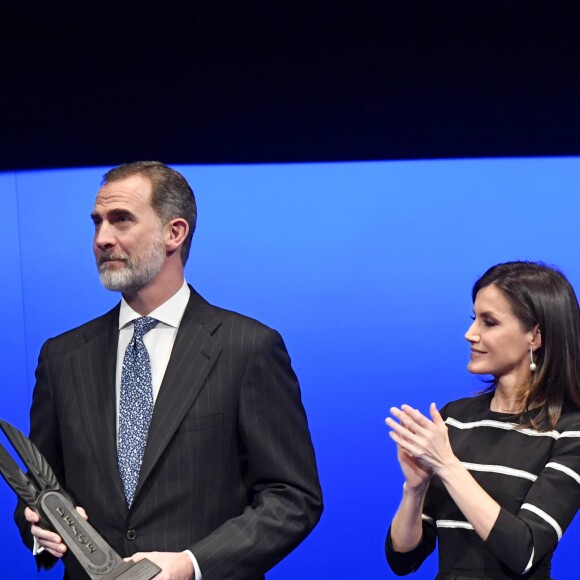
pixel 135 408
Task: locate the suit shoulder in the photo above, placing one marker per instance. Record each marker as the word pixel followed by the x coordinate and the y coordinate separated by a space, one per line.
pixel 238 331
pixel 78 335
pixel 245 330
pixel 212 316
pixel 238 319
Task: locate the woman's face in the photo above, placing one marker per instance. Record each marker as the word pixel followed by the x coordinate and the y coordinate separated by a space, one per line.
pixel 499 344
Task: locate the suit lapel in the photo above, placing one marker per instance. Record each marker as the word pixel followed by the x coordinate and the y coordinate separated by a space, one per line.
pixel 94 368
pixel 194 354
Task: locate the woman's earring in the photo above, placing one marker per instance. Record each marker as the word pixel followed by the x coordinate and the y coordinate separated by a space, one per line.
pixel 533 365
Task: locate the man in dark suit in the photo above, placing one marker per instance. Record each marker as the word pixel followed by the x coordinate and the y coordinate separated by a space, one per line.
pixel 222 482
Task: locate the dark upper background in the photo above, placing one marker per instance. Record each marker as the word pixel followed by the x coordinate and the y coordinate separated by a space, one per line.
pixel 237 82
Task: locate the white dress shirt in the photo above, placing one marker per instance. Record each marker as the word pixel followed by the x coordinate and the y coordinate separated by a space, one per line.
pixel 159 340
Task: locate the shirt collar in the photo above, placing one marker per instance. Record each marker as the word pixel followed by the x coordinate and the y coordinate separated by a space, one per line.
pixel 169 313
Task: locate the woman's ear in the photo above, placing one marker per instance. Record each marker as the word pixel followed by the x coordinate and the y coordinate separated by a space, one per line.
pixel 536 337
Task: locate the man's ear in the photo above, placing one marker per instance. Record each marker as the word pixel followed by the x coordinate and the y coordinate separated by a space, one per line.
pixel 176 231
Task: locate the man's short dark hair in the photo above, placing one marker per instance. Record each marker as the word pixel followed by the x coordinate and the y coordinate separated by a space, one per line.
pixel 171 195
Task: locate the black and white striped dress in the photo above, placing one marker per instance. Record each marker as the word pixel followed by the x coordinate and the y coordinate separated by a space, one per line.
pixel 534 476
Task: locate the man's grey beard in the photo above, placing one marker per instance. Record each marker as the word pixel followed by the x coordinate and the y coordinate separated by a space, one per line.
pixel 136 272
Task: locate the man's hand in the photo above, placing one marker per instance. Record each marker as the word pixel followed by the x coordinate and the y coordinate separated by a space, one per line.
pixel 49 541
pixel 174 565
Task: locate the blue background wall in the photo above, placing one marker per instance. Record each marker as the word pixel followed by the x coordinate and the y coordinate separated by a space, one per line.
pixel 365 269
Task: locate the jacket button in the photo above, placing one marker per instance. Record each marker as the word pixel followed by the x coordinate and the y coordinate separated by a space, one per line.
pixel 131 534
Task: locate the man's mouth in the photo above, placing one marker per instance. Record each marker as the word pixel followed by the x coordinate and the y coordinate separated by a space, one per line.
pixel 104 260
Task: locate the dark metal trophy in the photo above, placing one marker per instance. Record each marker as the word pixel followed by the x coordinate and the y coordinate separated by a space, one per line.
pixel 40 490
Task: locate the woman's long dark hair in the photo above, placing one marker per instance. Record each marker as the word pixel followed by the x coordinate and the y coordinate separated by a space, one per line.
pixel 540 294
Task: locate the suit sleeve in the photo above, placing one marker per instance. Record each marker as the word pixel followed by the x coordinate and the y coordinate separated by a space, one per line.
pixel 44 434
pixel 285 499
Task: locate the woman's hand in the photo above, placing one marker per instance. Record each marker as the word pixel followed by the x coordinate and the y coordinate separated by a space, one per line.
pixel 416 476
pixel 406 527
pixel 425 441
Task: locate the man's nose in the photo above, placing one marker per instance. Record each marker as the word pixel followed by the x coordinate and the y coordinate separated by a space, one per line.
pixel 104 236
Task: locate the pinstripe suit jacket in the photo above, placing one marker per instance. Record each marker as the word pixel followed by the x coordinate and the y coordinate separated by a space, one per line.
pixel 229 470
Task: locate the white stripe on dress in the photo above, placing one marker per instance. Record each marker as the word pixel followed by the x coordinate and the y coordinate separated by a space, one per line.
pixel 508 427
pixel 500 469
pixel 546 517
pixel 454 524
pixel 565 470
pixel 530 562
pixel 570 434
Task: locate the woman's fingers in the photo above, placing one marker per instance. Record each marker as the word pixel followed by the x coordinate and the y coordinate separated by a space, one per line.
pixel 416 416
pixel 435 415
pixel 406 444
